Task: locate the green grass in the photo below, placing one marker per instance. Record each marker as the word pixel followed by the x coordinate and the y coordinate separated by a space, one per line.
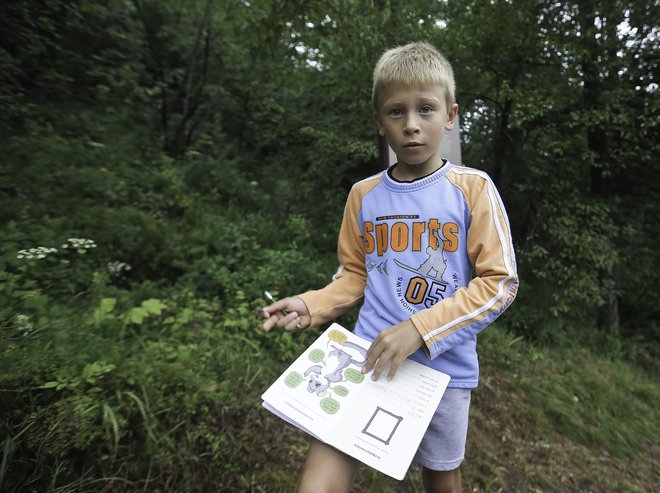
pixel 174 404
pixel 562 419
pixel 543 420
pixel 595 400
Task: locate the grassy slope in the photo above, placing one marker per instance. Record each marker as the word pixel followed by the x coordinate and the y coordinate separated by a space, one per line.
pixel 542 421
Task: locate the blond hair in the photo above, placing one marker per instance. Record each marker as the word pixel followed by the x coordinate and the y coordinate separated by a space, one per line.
pixel 415 64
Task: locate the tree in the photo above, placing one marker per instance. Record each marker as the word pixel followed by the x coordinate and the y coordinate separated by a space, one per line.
pixel 546 111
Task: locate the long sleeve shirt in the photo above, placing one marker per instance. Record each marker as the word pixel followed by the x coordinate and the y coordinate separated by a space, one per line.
pixel 438 251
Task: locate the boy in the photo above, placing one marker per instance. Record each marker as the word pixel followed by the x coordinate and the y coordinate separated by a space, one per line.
pixel 410 240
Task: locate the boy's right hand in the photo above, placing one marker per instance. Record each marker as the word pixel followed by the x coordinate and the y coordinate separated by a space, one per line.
pixel 298 317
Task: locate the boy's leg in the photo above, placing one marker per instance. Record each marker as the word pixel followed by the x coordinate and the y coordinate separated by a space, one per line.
pixel 442 449
pixel 442 481
pixel 327 470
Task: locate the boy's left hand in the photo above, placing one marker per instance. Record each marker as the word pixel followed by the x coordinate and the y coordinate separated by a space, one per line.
pixel 394 344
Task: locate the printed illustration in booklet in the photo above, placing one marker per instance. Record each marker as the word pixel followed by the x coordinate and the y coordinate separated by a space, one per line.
pixel 381 423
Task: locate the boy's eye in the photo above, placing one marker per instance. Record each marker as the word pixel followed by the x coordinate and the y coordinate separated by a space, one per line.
pixel 426 109
pixel 395 112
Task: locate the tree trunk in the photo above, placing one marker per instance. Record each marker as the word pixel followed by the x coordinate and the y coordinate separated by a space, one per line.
pixel 597 142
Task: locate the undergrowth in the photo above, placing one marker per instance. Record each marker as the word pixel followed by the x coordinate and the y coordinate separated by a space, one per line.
pixel 172 403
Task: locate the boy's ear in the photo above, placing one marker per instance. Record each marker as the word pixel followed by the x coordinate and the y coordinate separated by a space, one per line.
pixel 379 125
pixel 451 117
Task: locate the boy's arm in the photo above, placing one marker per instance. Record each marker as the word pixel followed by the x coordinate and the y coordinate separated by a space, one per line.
pixel 459 317
pixel 348 283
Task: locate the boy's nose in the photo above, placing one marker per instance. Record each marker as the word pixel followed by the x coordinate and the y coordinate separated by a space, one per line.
pixel 410 125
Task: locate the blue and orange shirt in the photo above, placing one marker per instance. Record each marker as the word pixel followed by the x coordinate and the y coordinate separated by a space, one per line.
pixel 437 250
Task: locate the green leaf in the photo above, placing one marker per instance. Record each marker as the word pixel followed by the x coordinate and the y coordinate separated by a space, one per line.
pixel 107 305
pixel 136 315
pixel 104 310
pixel 153 306
pixel 49 385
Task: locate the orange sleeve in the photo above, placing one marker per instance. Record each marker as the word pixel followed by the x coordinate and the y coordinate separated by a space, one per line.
pixel 491 291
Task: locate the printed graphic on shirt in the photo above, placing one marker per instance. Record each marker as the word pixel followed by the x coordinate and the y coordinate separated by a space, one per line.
pixel 435 265
pixel 381 268
pixel 380 237
pixel 426 283
pixel 428 287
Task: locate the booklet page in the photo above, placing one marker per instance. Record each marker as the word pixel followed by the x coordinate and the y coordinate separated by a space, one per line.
pixel 381 423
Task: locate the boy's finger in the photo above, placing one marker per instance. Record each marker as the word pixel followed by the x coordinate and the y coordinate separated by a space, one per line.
pixel 274 316
pixel 269 323
pixel 289 322
pixel 264 312
pixel 373 354
pixel 380 366
pixel 396 363
pixel 278 306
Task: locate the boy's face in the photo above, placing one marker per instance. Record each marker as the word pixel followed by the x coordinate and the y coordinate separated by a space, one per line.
pixel 414 120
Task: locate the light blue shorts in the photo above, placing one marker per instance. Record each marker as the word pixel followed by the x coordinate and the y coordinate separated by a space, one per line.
pixel 443 445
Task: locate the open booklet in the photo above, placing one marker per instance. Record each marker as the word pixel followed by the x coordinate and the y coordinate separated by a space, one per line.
pixel 381 423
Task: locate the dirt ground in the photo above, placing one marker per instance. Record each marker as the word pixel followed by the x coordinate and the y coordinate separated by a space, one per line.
pixel 504 454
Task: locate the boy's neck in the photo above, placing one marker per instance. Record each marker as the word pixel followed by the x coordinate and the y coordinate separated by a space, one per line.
pixel 407 174
pixel 398 173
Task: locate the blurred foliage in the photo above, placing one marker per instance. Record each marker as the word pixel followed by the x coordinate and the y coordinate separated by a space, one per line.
pixel 206 150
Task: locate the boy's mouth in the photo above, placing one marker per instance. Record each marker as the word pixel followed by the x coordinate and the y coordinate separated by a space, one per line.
pixel 412 144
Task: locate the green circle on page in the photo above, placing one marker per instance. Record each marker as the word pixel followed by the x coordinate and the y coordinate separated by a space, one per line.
pixel 353 375
pixel 329 405
pixel 293 379
pixel 316 356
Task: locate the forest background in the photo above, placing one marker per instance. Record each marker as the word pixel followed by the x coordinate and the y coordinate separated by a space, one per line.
pixel 164 162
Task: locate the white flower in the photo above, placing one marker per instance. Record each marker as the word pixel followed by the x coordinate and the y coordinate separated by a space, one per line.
pixel 23 323
pixel 81 245
pixel 38 253
pixel 116 267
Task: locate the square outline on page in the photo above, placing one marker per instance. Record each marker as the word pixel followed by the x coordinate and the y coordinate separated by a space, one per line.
pixel 378 421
